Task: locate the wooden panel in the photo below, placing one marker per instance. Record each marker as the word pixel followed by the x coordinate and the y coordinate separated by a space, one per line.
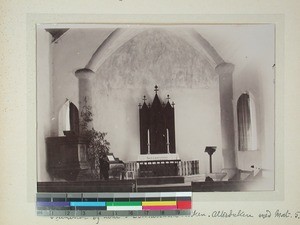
pixel 62 157
pixel 157 118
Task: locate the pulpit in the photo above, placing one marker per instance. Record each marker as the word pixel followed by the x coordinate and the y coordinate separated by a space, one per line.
pixel 66 157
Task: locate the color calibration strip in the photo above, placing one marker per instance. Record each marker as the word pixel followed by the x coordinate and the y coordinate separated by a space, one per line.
pixel 114 204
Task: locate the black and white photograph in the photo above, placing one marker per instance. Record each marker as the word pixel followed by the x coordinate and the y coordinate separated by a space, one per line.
pixel 155 108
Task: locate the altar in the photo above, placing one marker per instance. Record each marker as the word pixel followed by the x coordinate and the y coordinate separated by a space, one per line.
pixel 156 165
pixel 157 139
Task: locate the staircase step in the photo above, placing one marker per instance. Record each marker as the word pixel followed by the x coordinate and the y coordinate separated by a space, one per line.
pixel 160 180
pixel 164 188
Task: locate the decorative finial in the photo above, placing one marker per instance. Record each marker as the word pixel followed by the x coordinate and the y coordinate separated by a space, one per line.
pixel 144 98
pixel 156 89
pixel 173 104
pixel 168 97
pixel 140 105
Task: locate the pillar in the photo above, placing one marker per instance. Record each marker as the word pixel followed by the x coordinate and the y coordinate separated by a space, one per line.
pixel 85 79
pixel 225 70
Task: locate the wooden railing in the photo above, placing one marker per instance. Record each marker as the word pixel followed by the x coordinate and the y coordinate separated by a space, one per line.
pixel 185 168
pixel 131 166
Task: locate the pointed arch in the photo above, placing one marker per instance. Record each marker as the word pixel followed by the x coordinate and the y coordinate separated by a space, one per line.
pixel 68 118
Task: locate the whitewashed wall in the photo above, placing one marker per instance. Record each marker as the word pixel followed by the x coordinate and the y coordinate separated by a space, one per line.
pixel 256 76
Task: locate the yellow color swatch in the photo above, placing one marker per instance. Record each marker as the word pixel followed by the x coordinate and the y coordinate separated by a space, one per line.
pixel 159 203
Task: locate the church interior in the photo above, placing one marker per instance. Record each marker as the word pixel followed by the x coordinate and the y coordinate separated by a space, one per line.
pixel 183 107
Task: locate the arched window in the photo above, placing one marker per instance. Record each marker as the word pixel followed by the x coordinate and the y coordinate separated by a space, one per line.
pixel 64 118
pixel 68 118
pixel 247 133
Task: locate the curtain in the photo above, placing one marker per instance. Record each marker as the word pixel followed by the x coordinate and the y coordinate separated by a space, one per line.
pixel 74 119
pixel 244 122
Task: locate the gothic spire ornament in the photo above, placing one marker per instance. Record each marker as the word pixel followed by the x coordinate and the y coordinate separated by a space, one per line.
pixel 156 89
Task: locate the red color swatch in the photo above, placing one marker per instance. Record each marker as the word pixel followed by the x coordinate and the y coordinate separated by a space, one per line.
pixel 184 204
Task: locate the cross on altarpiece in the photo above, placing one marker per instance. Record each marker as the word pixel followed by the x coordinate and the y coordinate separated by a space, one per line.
pixel 156 89
pixel 168 97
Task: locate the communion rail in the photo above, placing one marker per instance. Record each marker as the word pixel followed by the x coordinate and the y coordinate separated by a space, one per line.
pixel 185 168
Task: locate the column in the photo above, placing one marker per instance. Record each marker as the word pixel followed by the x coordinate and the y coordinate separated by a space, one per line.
pixel 225 70
pixel 85 77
